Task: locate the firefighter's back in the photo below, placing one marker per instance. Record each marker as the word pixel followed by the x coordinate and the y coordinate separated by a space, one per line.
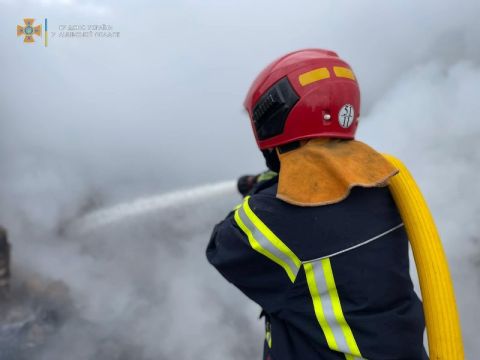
pixel 352 293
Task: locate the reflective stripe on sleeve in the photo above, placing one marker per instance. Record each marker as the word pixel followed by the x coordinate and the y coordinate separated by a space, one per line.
pixel 328 310
pixel 264 241
pixel 268 333
pixel 237 207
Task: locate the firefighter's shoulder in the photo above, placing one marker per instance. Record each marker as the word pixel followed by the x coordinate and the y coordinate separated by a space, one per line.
pixel 320 231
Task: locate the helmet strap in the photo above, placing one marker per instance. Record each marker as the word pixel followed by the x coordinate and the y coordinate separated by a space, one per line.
pixel 271 155
pixel 271 159
pixel 282 149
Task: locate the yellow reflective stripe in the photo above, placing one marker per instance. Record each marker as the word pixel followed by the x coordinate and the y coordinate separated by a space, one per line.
pixel 267 175
pixel 318 308
pixel 343 72
pixel 268 334
pixel 257 247
pixel 264 241
pixel 313 76
pixel 237 207
pixel 328 309
pixel 337 307
pixel 268 337
pixel 270 235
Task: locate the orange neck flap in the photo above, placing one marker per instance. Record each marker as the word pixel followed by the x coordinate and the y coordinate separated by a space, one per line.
pixel 322 171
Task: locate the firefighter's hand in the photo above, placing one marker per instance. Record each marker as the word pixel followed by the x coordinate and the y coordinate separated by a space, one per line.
pixel 246 183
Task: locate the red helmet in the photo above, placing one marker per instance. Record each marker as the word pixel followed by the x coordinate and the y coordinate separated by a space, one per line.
pixel 304 94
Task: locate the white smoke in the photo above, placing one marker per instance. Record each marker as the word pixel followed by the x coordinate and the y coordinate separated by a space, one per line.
pixel 87 124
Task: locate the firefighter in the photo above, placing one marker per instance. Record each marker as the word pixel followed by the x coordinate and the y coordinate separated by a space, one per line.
pixel 321 246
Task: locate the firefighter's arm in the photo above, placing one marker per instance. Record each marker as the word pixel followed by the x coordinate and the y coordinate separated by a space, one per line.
pixel 243 256
pixel 247 183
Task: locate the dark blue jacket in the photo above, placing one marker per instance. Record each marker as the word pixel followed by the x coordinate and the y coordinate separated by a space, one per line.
pixel 333 281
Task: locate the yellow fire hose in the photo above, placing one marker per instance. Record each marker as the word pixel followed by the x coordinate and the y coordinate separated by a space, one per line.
pixel 441 315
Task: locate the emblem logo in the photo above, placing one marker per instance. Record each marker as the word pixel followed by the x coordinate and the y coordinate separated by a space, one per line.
pixel 346 116
pixel 29 30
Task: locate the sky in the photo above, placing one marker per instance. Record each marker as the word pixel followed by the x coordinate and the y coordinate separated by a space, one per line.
pixel 92 122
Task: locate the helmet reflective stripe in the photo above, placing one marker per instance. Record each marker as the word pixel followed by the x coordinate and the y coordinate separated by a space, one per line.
pixel 343 72
pixel 313 76
pixel 328 309
pixel 263 240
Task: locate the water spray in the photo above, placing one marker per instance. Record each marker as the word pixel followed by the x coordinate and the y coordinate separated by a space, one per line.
pixel 148 205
